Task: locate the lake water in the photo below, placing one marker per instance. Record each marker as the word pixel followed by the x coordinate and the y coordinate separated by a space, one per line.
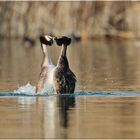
pixel 105 104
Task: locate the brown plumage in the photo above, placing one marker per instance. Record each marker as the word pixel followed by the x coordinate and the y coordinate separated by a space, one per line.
pixel 42 79
pixel 64 78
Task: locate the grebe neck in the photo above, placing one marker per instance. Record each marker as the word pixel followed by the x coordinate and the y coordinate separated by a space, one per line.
pixel 62 61
pixel 46 57
pixel 63 51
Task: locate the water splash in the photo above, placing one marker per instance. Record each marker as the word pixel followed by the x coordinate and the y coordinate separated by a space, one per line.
pixel 28 88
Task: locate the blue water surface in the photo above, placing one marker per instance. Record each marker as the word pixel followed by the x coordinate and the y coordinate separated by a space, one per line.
pixel 79 93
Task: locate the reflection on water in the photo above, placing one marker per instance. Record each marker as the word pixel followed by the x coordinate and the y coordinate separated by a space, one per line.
pixel 79 117
pixel 65 102
pixel 99 66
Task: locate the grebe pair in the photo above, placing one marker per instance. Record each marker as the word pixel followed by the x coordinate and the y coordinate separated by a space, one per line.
pixel 60 77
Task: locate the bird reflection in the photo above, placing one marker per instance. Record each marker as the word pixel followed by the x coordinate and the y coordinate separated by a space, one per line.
pixel 65 102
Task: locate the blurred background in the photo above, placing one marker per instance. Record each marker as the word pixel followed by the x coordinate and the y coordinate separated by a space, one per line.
pixel 89 19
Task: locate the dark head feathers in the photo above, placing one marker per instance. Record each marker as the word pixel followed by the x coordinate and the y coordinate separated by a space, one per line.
pixel 63 40
pixel 47 40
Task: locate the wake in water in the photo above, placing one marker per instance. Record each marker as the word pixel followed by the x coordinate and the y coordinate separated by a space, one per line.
pixel 29 90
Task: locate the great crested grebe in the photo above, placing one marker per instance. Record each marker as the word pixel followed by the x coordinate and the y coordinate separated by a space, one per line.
pixel 57 78
pixel 64 79
pixel 47 66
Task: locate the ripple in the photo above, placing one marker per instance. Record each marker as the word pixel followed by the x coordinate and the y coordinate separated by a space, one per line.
pixel 78 93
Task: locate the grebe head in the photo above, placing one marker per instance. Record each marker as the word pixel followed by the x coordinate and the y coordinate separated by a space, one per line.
pixel 47 40
pixel 63 41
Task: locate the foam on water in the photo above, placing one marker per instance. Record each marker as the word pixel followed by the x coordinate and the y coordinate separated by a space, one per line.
pixel 28 88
